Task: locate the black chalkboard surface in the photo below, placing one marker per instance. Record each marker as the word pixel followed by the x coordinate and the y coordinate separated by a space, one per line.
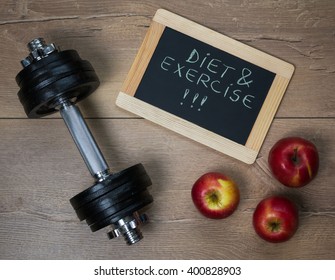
pixel 205 86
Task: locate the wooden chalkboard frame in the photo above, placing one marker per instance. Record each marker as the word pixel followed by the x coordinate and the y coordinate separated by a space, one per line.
pixel 246 153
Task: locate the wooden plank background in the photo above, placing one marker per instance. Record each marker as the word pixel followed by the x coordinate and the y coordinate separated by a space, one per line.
pixel 41 168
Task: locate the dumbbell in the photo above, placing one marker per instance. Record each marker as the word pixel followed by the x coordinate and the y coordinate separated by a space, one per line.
pixel 53 80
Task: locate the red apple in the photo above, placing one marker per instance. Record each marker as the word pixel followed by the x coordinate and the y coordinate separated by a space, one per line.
pixel 276 219
pixel 215 195
pixel 294 161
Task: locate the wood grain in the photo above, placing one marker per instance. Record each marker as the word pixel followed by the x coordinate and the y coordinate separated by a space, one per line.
pixel 109 34
pixel 38 221
pixel 41 168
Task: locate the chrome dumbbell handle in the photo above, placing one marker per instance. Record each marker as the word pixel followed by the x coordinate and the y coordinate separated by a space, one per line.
pixel 84 140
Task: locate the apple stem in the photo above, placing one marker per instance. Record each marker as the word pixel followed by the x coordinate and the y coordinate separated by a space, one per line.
pixel 213 197
pixel 295 155
pixel 274 226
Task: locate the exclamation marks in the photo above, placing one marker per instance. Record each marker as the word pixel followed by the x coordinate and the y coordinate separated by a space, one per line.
pixel 185 95
pixel 204 99
pixel 195 98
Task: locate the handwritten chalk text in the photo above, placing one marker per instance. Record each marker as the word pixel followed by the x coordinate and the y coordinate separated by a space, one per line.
pixel 214 74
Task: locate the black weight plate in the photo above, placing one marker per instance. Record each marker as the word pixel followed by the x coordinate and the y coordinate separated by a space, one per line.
pixel 78 85
pixel 115 208
pixel 121 214
pixel 49 74
pixel 53 60
pixel 111 182
pixel 113 197
pixel 131 184
pixel 128 210
pixel 59 76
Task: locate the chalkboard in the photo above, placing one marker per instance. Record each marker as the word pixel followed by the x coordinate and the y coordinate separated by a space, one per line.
pixel 205 86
